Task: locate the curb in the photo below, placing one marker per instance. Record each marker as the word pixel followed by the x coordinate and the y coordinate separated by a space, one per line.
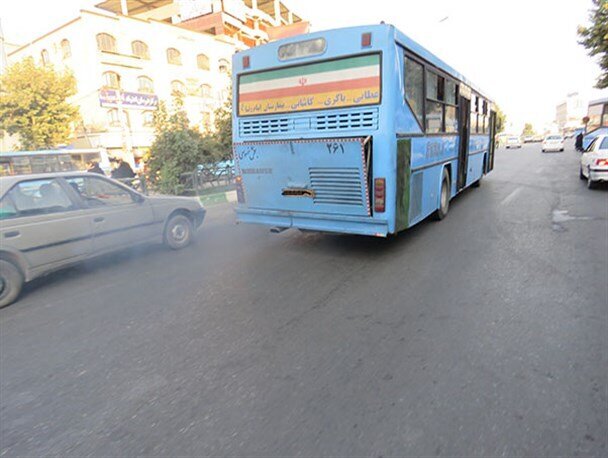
pixel 218 198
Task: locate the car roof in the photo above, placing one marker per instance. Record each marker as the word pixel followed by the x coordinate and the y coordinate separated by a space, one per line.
pixel 8 181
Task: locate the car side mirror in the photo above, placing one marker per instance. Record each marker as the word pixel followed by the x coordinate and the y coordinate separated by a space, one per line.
pixel 138 198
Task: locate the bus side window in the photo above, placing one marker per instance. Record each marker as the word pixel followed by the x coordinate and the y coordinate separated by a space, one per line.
pixel 414 88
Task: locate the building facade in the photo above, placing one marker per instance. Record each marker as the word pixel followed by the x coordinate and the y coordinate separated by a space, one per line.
pixel 251 22
pixel 569 114
pixel 124 66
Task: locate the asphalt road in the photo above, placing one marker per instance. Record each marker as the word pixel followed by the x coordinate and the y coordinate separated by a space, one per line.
pixel 483 335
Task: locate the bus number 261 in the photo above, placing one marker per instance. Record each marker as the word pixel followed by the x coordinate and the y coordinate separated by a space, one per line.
pixel 335 148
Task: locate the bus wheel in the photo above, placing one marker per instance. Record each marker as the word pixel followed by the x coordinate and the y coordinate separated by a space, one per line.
pixel 444 198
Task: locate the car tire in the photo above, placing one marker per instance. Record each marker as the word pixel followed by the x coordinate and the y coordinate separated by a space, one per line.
pixel 590 182
pixel 580 174
pixel 178 232
pixel 444 197
pixel 11 282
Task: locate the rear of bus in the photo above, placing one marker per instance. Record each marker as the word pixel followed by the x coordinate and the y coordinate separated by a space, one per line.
pixel 310 129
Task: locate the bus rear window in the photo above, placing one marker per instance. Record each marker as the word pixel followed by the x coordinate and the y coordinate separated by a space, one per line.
pixel 302 49
pixel 336 83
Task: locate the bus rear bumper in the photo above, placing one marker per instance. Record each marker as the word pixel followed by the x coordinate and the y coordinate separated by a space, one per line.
pixel 314 222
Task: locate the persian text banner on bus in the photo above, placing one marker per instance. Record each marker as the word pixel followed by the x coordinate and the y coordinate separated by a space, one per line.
pixel 339 83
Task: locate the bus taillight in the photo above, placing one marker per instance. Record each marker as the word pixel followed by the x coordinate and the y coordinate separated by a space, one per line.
pixel 379 195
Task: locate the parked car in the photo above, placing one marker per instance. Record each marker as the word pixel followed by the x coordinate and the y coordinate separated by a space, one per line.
pixel 49 221
pixel 513 142
pixel 528 139
pixel 594 162
pixel 553 143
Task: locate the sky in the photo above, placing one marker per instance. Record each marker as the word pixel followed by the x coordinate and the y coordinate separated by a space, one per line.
pixel 523 53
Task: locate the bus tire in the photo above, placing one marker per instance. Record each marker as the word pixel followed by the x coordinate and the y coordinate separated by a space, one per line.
pixel 444 197
pixel 11 282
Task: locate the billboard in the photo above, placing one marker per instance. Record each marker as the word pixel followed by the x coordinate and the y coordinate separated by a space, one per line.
pixel 113 98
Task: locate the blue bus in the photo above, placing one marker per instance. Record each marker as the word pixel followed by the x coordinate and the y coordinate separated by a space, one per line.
pixel 358 130
pixel 597 124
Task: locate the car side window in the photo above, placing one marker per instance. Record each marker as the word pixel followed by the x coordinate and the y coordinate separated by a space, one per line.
pixel 39 197
pixel 604 144
pixel 591 145
pixel 98 192
pixel 7 208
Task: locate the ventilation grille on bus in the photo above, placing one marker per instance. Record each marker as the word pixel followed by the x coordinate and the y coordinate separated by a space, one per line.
pixel 416 197
pixel 264 126
pixel 303 123
pixel 350 120
pixel 336 185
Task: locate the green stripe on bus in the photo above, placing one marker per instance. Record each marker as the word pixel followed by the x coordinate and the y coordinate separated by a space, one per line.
pixel 301 70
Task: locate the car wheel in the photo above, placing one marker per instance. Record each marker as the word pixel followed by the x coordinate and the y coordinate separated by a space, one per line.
pixel 11 281
pixel 178 232
pixel 581 175
pixel 590 182
pixel 444 198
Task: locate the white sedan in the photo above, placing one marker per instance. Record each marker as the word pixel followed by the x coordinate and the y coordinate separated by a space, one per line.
pixel 553 143
pixel 594 162
pixel 513 142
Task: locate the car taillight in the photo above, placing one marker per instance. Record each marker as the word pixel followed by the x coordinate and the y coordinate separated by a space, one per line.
pixel 379 195
pixel 240 192
pixel 601 162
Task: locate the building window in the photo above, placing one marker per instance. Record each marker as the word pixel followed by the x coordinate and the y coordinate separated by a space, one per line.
pixel 224 66
pixel 148 118
pixel 44 57
pixel 140 49
pixel 145 85
pixel 202 62
pixel 113 117
pixel 106 42
pixel 174 56
pixel 111 80
pixel 206 91
pixel 178 88
pixel 414 88
pixel 66 49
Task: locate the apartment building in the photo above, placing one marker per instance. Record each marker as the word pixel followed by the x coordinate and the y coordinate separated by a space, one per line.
pixel 569 114
pixel 125 65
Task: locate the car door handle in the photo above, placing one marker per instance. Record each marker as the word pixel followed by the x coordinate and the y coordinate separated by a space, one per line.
pixel 11 234
pixel 99 219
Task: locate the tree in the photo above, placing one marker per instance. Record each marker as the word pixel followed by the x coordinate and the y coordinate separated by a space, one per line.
pixel 594 39
pixel 33 104
pixel 528 130
pixel 223 130
pixel 177 149
pixel 501 120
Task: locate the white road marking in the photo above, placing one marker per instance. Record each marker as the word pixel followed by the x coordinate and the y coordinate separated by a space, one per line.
pixel 511 196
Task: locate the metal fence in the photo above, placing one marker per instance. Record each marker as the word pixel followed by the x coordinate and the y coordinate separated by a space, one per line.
pixel 201 181
pixel 205 178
